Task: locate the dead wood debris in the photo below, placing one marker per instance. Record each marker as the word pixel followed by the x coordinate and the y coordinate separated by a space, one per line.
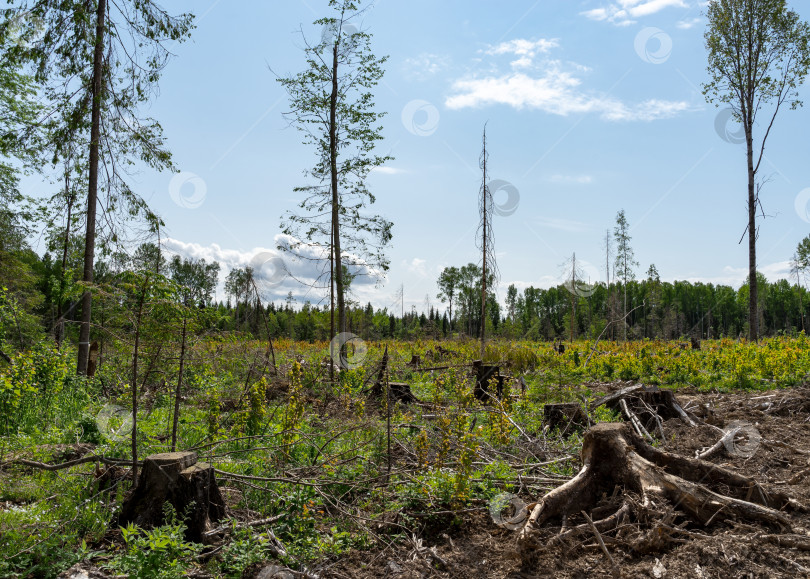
pixel 691 493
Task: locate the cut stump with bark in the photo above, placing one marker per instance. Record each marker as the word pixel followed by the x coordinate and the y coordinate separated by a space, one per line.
pixel 568 418
pixel 397 391
pixel 614 456
pixel 649 405
pixel 190 487
pixel 486 376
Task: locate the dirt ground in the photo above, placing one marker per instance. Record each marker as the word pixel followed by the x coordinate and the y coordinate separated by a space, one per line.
pixel 778 439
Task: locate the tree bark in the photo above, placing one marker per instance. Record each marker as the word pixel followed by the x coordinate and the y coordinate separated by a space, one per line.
pixel 92 190
pixel 135 389
pixel 753 317
pixel 60 322
pixel 615 456
pixel 176 478
pixel 179 385
pixel 333 154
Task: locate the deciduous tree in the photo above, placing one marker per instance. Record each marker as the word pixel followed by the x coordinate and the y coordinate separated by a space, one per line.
pixel 759 55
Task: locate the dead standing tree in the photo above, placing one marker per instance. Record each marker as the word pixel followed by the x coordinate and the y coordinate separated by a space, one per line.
pixel 486 239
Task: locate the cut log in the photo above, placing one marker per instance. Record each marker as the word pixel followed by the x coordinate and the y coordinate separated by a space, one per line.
pixel 188 486
pixel 614 455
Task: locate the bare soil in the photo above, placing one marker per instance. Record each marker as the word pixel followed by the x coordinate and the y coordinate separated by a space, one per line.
pixel 472 545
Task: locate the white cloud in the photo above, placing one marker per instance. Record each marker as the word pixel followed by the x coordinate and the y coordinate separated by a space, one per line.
pixel 572 179
pixel 555 91
pixel 543 282
pixel 523 47
pixel 687 24
pixel 554 88
pixel 623 12
pixel 737 276
pixel 305 271
pixel 387 170
pixel 425 66
pixel 596 14
pixel 416 266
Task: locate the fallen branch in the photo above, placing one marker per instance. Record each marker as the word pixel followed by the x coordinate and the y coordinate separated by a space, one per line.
pixel 634 420
pixel 791 541
pixel 68 464
pixel 604 525
pixel 251 524
pixel 715 449
pixel 615 568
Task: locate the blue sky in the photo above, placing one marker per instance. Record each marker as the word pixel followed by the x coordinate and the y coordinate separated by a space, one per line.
pixel 592 106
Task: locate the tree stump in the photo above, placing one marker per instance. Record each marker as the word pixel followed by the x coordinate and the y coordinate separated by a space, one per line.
pixel 614 456
pixel 416 361
pixel 176 478
pixel 484 376
pixel 567 417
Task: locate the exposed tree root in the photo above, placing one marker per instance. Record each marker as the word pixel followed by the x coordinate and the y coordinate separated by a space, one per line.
pixel 704 493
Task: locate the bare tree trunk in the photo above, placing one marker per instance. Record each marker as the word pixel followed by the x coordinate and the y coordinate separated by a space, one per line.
pixel 573 292
pixel 753 317
pixel 624 322
pixel 60 322
pixel 331 301
pixel 333 152
pixel 135 386
pixel 92 190
pixel 179 385
pixel 484 271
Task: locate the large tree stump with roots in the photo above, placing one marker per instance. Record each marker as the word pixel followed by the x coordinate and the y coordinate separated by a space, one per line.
pixel 176 478
pixel 615 457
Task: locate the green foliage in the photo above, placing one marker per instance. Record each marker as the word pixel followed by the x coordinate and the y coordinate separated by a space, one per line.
pixel 34 392
pixel 18 326
pixel 294 409
pixel 245 548
pixel 88 430
pixel 160 553
pixel 332 104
